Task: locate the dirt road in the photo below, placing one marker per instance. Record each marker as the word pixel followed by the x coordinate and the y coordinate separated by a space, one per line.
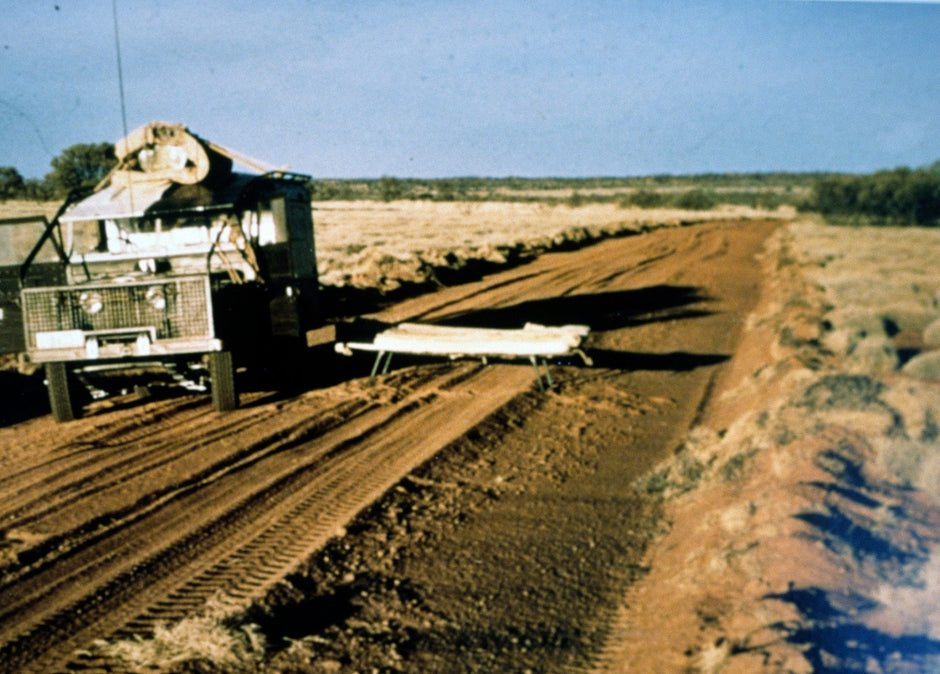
pixel 504 551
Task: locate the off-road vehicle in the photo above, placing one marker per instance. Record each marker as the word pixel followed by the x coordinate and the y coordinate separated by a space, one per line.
pixel 174 263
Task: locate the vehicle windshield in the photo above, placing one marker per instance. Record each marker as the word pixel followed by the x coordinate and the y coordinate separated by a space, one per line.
pixel 168 234
pixel 129 235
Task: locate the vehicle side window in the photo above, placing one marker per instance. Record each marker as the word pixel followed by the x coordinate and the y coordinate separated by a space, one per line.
pixel 16 242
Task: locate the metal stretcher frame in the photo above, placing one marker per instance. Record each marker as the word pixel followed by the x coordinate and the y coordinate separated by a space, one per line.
pixel 535 343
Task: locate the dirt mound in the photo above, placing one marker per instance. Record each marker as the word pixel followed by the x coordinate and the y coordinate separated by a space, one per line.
pixel 804 534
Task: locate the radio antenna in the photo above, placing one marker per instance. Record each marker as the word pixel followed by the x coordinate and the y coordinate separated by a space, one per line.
pixel 117 48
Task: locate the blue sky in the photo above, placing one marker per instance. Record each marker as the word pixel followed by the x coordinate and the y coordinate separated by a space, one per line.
pixel 437 88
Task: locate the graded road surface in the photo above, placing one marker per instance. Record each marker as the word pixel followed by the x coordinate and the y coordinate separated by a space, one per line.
pixel 142 511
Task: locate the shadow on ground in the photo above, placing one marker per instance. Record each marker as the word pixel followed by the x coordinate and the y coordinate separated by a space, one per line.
pixel 675 361
pixel 833 642
pixel 600 311
pixel 22 397
pixel 875 530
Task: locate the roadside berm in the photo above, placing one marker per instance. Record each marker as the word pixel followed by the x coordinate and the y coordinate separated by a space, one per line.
pixel 803 509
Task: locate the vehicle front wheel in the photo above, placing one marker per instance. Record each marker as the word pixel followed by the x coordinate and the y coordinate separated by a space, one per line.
pixel 222 376
pixel 61 394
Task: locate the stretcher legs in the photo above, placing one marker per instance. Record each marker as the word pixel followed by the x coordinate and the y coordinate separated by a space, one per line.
pixel 543 375
pixel 383 360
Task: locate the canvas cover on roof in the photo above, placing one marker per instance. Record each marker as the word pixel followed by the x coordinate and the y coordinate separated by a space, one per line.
pixel 118 201
pixel 137 198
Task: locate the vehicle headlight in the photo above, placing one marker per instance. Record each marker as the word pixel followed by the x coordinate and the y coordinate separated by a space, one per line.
pixel 156 297
pixel 91 302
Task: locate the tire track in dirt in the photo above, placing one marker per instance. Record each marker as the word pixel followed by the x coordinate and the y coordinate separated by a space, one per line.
pixel 262 509
pixel 142 513
pixel 85 474
pixel 524 571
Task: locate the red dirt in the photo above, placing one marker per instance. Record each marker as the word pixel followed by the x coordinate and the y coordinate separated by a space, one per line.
pixel 510 549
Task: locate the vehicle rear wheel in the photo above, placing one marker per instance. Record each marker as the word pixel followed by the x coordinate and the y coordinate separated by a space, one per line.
pixel 61 394
pixel 222 376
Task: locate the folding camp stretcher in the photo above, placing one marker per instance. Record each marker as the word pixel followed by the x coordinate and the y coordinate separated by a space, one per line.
pixel 536 343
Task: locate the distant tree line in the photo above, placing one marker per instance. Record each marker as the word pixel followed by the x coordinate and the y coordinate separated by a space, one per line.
pixel 898 196
pixel 901 196
pixel 81 165
pixel 698 192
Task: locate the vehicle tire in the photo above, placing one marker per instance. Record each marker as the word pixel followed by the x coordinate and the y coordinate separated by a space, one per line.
pixel 222 380
pixel 61 395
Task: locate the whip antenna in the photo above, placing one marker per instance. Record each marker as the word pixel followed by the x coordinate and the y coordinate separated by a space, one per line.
pixel 117 48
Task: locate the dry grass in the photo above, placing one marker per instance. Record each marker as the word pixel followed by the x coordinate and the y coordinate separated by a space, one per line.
pixel 205 639
pixel 380 245
pixel 15 208
pixel 370 244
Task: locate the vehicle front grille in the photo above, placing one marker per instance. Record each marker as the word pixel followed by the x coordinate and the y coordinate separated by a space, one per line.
pixel 123 306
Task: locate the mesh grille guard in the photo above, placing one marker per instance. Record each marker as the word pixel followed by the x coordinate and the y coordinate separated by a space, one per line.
pixel 124 307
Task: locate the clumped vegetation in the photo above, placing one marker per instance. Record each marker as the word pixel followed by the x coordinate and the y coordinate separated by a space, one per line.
pixel 81 165
pixel 696 192
pixel 900 196
pixel 85 165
